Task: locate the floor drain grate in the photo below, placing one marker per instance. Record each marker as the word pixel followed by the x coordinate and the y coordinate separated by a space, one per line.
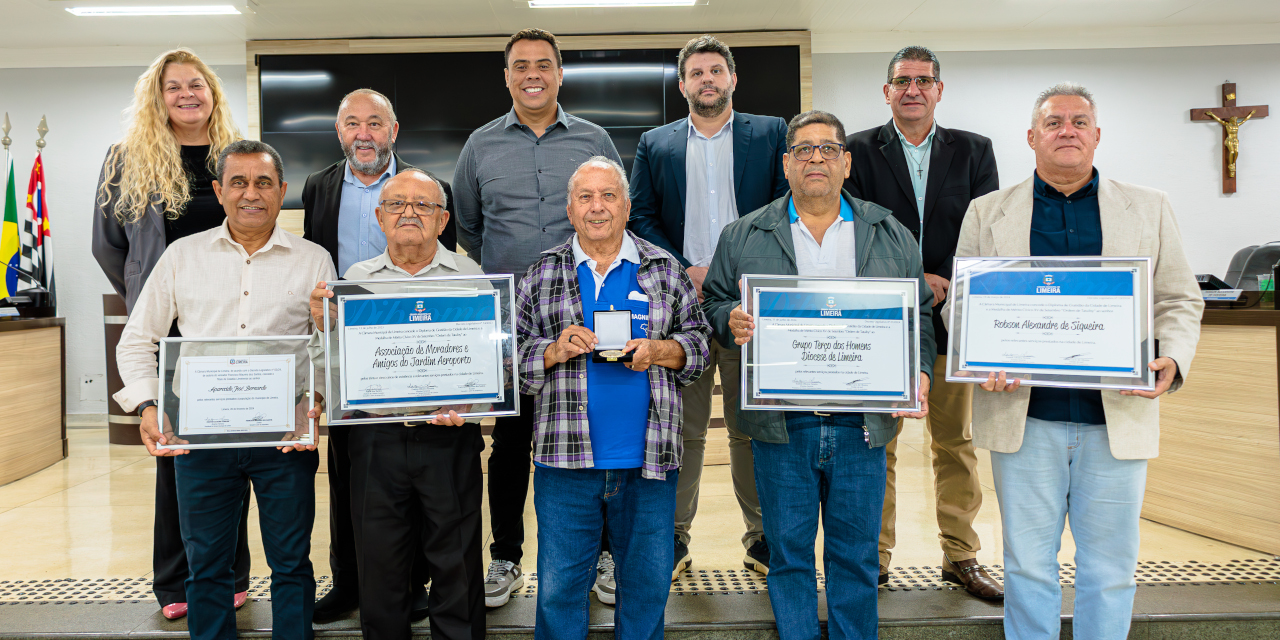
pixel 690 582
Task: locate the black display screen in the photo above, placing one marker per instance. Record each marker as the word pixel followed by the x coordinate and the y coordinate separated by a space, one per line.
pixel 440 98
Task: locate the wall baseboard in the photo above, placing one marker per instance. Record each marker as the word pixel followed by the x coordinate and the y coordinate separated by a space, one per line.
pixel 86 420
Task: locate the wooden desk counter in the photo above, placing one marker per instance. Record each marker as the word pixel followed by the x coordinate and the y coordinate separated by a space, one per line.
pixel 1218 473
pixel 32 392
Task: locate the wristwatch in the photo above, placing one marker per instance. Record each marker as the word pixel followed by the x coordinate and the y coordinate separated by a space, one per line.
pixel 144 405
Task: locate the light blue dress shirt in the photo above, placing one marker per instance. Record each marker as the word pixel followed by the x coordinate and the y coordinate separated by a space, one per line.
pixel 359 236
pixel 710 203
pixel 918 166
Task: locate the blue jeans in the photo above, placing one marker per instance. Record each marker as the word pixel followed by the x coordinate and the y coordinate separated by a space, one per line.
pixel 211 485
pixel 828 468
pixel 573 506
pixel 1066 470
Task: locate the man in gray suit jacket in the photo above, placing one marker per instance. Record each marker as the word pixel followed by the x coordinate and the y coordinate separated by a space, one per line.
pixel 1081 452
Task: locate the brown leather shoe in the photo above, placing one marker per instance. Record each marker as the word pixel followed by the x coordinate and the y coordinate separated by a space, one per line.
pixel 973 577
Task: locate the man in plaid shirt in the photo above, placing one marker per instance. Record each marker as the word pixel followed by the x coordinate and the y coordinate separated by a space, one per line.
pixel 607 441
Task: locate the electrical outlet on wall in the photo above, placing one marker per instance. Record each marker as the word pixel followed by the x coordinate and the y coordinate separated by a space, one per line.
pixel 93 387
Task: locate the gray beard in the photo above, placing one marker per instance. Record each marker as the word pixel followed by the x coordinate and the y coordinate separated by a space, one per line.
pixel 379 164
pixel 712 110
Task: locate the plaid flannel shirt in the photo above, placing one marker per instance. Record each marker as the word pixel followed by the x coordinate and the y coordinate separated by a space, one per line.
pixel 548 300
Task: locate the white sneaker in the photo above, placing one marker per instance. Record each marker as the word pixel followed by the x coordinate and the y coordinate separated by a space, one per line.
pixel 605 587
pixel 504 577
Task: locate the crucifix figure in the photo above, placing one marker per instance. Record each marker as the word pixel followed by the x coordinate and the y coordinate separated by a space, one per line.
pixel 1230 117
pixel 1232 143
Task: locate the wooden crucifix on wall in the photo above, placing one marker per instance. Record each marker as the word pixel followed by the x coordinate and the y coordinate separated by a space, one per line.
pixel 1230 117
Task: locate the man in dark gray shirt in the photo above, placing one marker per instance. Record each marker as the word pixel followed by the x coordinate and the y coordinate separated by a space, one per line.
pixel 511 186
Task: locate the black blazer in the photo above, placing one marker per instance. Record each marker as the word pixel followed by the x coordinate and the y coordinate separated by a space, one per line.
pixel 322 196
pixel 962 166
pixel 658 176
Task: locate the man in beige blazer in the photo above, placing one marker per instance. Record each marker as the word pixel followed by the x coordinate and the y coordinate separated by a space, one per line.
pixel 1084 453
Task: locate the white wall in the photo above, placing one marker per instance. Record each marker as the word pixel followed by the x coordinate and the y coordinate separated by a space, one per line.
pixel 83 106
pixel 1144 99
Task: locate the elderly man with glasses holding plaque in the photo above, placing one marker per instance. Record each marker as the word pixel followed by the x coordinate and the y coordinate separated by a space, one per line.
pixel 811 464
pixel 397 463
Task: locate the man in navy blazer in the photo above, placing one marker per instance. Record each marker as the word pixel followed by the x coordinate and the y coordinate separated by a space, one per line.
pixel 690 179
pixel 927 175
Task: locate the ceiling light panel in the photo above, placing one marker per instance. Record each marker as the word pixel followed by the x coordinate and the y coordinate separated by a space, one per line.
pixel 565 4
pixel 200 10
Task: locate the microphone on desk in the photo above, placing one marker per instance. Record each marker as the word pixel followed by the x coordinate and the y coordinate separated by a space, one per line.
pixel 36 296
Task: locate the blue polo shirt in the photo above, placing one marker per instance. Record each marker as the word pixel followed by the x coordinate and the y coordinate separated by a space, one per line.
pixel 1064 225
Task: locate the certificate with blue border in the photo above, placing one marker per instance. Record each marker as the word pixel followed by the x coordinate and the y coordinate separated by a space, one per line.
pixel 1070 320
pixel 407 349
pixel 834 345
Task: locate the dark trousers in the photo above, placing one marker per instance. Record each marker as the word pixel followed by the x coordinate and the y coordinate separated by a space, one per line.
pixel 342 537
pixel 435 470
pixel 211 485
pixel 169 557
pixel 509 459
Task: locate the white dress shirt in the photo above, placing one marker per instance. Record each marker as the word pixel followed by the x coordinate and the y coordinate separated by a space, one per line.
pixel 445 263
pixel 215 289
pixel 710 203
pixel 834 256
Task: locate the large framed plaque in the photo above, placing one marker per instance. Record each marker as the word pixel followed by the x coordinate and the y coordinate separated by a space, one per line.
pixel 1076 322
pixel 831 344
pixel 235 392
pixel 404 349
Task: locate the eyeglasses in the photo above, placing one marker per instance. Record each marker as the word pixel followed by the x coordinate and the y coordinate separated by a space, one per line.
pixel 829 151
pixel 422 208
pixel 901 83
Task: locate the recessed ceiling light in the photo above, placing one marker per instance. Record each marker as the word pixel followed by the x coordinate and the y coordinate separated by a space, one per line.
pixel 564 4
pixel 206 10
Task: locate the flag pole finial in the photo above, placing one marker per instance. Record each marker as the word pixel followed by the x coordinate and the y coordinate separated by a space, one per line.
pixel 6 141
pixel 42 129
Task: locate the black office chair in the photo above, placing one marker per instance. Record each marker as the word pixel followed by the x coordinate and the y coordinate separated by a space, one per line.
pixel 1249 263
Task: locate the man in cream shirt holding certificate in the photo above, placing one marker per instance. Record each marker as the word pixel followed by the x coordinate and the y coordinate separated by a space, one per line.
pixel 247 277
pixel 394 464
pixel 1080 452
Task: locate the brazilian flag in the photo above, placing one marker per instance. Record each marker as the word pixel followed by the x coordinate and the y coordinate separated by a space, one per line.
pixel 9 241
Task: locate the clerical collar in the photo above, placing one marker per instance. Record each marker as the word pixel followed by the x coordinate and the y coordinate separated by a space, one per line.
pixel 1089 190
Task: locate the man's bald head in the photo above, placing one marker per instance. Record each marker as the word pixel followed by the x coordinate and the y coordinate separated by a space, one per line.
pixel 414 176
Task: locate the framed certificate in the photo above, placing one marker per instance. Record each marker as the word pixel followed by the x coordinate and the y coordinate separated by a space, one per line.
pixel 831 344
pixel 406 348
pixel 1078 322
pixel 235 392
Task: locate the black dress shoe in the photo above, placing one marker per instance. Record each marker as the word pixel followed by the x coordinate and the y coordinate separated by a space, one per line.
pixel 335 605
pixel 883 580
pixel 419 611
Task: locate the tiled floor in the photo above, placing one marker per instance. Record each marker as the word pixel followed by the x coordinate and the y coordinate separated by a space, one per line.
pixel 90 516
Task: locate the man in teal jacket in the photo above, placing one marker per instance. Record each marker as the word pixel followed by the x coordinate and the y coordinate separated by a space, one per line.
pixel 808 463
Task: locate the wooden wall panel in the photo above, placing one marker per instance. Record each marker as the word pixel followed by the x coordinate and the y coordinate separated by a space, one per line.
pixel 31 388
pixel 1218 473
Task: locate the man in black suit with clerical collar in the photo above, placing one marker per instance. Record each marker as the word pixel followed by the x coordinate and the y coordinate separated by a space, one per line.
pixel 927 175
pixel 339 203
